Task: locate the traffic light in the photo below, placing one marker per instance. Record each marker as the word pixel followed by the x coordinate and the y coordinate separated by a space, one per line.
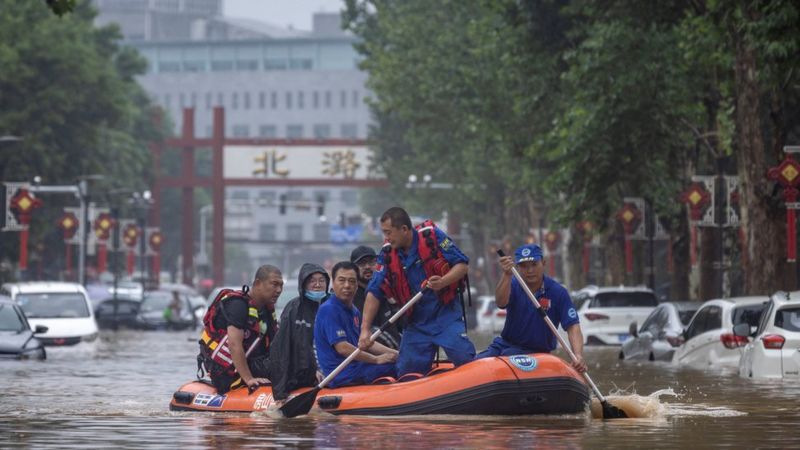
pixel 282 205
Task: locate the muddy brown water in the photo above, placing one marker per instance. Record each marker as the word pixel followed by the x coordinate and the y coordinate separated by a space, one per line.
pixel 116 393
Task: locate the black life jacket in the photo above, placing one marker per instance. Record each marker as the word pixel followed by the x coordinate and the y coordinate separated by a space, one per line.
pixel 395 285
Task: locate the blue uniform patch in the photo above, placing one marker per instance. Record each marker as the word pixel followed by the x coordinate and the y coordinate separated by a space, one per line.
pixel 209 400
pixel 572 313
pixel 524 362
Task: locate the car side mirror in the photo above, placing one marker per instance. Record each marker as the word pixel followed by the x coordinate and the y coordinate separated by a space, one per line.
pixel 741 330
pixel 40 329
pixel 633 329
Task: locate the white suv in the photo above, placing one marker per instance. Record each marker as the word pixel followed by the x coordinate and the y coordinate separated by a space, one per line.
pixel 64 308
pixel 606 312
pixel 775 350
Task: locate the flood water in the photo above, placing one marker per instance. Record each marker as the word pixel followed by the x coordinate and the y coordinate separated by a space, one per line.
pixel 116 394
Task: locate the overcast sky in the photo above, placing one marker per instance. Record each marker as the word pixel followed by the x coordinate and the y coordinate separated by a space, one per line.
pixel 296 13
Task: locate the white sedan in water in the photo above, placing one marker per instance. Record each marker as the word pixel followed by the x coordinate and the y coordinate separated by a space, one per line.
pixel 606 312
pixel 774 351
pixel 709 341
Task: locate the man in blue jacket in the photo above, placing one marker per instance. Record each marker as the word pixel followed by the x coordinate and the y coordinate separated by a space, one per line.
pixel 336 334
pixel 412 256
pixel 525 330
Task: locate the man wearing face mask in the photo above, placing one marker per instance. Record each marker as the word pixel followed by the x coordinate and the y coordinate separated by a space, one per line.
pixel 366 260
pixel 293 364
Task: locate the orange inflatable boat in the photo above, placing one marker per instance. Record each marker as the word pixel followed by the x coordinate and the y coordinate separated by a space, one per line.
pixel 515 385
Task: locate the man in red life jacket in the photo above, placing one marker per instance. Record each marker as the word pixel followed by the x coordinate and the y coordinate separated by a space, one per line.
pixel 413 256
pixel 238 330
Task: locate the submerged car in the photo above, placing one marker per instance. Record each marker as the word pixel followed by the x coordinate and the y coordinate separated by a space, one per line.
pixel 660 334
pixel 605 313
pixel 774 351
pixel 709 340
pixel 64 308
pixel 490 318
pixel 155 312
pixel 17 340
pixel 116 313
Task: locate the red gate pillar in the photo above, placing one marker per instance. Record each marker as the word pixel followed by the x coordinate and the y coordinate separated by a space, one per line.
pixel 218 200
pixel 187 198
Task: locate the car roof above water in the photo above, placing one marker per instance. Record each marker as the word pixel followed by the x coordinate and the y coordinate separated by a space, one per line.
pixel 36 287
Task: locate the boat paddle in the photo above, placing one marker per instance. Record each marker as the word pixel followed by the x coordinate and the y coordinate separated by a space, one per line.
pixel 302 403
pixel 609 411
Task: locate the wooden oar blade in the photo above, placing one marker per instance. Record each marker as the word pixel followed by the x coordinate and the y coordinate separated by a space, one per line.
pixel 300 405
pixel 612 412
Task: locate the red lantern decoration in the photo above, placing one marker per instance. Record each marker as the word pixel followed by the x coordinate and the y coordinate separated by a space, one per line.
pixel 787 174
pixel 103 224
pixel 630 216
pixel 699 199
pixel 551 240
pixel 68 223
pixel 22 204
pixel 130 236
pixel 155 245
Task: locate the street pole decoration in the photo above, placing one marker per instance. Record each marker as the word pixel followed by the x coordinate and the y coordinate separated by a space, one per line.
pixel 552 239
pixel 68 222
pixel 130 236
pixel 787 174
pixel 700 199
pixel 631 217
pixel 22 205
pixel 103 224
pixel 155 239
pixel 586 230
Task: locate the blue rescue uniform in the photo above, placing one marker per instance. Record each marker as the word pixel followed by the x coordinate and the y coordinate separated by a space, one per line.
pixel 337 322
pixel 525 330
pixel 432 323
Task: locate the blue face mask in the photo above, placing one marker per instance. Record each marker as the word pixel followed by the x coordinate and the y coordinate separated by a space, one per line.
pixel 315 296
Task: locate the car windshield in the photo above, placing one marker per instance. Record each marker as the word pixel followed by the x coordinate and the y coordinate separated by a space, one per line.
pixel 788 319
pixel 156 301
pixel 53 305
pixel 686 315
pixel 10 319
pixel 749 314
pixel 624 300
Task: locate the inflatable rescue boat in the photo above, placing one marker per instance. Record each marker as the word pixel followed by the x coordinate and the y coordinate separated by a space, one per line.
pixel 514 385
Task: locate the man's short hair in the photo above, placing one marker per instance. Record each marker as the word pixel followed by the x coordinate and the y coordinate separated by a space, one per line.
pixel 344 265
pixel 265 271
pixel 397 217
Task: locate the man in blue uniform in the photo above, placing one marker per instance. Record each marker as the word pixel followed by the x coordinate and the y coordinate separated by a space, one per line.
pixel 336 334
pixel 437 318
pixel 525 330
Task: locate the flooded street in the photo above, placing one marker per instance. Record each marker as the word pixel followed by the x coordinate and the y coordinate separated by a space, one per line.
pixel 116 394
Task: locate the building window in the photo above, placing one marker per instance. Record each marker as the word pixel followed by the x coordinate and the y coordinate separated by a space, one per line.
pixel 343 99
pixel 235 100
pixel 182 100
pixel 300 64
pixel 294 131
pixel 208 100
pixel 169 66
pixel 300 99
pixel 294 232
pixel 349 131
pixel 249 64
pixel 220 99
pixel 322 131
pixel 273 100
pixel 246 98
pixel 267 232
pixel 193 99
pixel 240 195
pixel 241 131
pixel 267 131
pixel 221 66
pixel 288 100
pixel 194 66
pixel 322 232
pixel 315 100
pixel 349 196
pixel 356 99
pixel 328 96
pixel 275 64
pixel 262 100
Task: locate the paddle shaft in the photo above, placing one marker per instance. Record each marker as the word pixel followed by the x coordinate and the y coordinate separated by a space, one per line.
pixel 549 323
pixel 372 338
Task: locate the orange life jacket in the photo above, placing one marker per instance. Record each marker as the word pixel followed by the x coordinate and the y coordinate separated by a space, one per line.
pixel 395 284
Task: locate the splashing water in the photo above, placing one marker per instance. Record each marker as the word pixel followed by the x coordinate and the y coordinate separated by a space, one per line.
pixel 651 407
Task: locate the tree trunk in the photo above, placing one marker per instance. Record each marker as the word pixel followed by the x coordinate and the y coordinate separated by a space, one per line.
pixel 765 232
